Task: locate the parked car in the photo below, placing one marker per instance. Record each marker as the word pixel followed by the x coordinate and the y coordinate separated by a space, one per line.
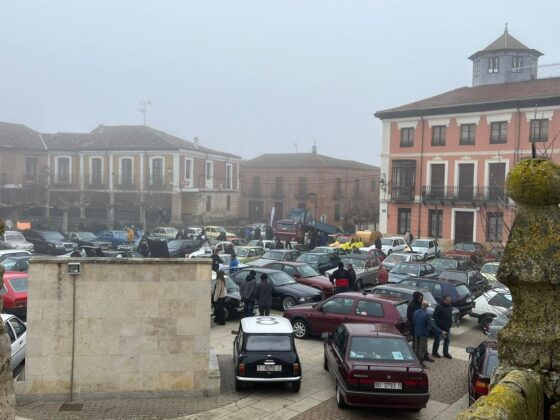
pixel 392 260
pixel 348 243
pixel 475 250
pixel 277 255
pixel 286 292
pixel 247 254
pixel 12 239
pixel 452 263
pixel 49 242
pixel 329 250
pixel 265 243
pixel 475 282
pixel 20 264
pixel 489 271
pixel 497 324
pixel 491 304
pixel 88 239
pixel 410 269
pixel 264 351
pixel 373 366
pixel 179 248
pixel 402 291
pixel 213 232
pixel 482 363
pixel 233 306
pixel 374 252
pixel 17 332
pixel 14 294
pixel 116 237
pixel 305 274
pixel 394 244
pixel 9 253
pixel 365 266
pixel 319 261
pixel 315 319
pixel 495 254
pixel 426 247
pixel 164 232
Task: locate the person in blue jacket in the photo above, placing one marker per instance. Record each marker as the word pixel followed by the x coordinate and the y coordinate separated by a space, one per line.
pixel 422 325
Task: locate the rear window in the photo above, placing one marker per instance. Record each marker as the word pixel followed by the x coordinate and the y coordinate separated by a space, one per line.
pixel 19 285
pixel 411 270
pixel 285 226
pixel 269 342
pixel 402 308
pixel 419 244
pixel 491 362
pixel 377 348
pixel 395 259
pixel 454 275
pixel 462 290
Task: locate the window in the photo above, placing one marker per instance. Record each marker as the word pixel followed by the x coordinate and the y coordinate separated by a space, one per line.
pixel 477 68
pixel 96 168
pixel 539 130
pixel 493 64
pixel 19 327
pixel 503 300
pixel 31 168
pixel 435 223
pixel 338 188
pixel 208 203
pixel 269 342
pixel 495 227
pixel 369 308
pixel 341 340
pixel 404 220
pixel 126 171
pixel 256 191
pixel 342 306
pixel 229 176
pixel 278 186
pixel 189 172
pixel 377 348
pixel 403 179
pixel 208 171
pixel 337 212
pixel 63 170
pixel 302 187
pixel 498 132
pixel 407 137
pixel 516 64
pixel 10 332
pixel 157 171
pixel 467 135
pixel 438 135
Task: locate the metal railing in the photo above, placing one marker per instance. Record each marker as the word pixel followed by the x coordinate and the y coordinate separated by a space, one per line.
pixel 491 194
pixel 400 193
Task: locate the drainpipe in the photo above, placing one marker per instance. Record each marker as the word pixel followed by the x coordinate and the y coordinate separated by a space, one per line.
pixel 420 180
pixel 517 137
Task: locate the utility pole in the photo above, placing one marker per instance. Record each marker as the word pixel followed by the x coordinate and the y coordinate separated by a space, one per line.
pixel 144 108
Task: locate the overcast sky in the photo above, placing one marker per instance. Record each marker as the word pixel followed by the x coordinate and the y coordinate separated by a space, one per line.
pixel 248 77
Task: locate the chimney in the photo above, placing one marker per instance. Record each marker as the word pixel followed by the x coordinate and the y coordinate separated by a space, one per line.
pixel 314 149
pixel 195 142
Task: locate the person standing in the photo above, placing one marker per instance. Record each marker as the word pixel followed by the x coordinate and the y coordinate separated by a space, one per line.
pixel 248 291
pixel 264 296
pixel 269 232
pixel 216 260
pixel 422 326
pixel 352 277
pixel 258 235
pixel 233 264
pixel 378 242
pixel 443 319
pixel 220 293
pixel 340 279
pixel 130 235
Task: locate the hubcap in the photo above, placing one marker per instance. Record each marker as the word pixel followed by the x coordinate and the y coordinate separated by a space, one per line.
pixel 289 302
pixel 299 329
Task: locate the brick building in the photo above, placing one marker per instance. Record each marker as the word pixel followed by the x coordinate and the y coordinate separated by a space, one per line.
pixel 345 190
pixel 445 158
pixel 119 174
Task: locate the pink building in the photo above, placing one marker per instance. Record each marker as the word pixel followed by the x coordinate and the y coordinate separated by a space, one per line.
pixel 445 159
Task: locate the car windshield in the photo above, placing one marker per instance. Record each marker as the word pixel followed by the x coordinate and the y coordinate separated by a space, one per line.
pixel 408 269
pixel 286 226
pixel 15 237
pixel 19 285
pixel 241 252
pixel 308 258
pixel 501 320
pixel 419 243
pixel 85 235
pixel 387 242
pixel 491 362
pixel 462 290
pixel 380 348
pixel 356 263
pixel 9 263
pixel 53 236
pixel 281 279
pixel 176 243
pixel 465 247
pixel 269 342
pixel 342 239
pixel 306 270
pixel 272 255
pixel 394 259
pixel 489 269
pixel 444 263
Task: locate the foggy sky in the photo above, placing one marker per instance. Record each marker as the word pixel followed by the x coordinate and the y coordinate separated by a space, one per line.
pixel 248 77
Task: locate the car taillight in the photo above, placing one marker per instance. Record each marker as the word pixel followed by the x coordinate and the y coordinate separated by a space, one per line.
pixel 241 369
pixel 481 386
pixel 416 383
pixel 357 379
pixel 297 369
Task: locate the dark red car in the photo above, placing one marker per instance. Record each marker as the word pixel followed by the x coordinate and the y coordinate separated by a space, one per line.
pixel 354 307
pixel 14 293
pixel 482 362
pixel 305 274
pixel 374 366
pixel 495 254
pixel 475 250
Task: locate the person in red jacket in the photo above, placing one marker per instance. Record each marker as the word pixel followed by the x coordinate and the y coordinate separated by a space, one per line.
pixel 340 278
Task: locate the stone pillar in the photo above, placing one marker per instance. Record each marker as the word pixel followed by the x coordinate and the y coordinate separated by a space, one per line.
pixel 177 208
pixel 531 269
pixel 7 398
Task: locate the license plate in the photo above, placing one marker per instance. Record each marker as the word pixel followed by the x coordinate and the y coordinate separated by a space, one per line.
pixel 387 385
pixel 269 368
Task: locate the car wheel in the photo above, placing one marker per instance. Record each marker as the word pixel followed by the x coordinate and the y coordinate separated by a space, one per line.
pixel 389 252
pixel 238 385
pixel 359 284
pixel 340 399
pixel 486 321
pixel 425 257
pixel 301 329
pixel 296 385
pixel 288 302
pixel 325 363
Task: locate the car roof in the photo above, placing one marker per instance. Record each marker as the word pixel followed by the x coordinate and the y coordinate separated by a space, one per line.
pixel 312 253
pixel 377 330
pixel 291 263
pixel 19 257
pixel 398 286
pixel 358 256
pixel 413 263
pixel 392 299
pixel 13 251
pixel 404 253
pixel 266 324
pixel 394 237
pixel 436 280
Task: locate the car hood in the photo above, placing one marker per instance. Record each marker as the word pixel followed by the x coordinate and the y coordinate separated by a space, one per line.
pixel 298 289
pixel 19 244
pixel 319 280
pixel 298 308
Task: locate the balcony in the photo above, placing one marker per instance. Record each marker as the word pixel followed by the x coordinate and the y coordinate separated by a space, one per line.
pixel 402 194
pixel 494 194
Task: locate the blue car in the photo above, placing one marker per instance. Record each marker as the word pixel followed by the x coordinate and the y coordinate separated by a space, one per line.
pixel 116 237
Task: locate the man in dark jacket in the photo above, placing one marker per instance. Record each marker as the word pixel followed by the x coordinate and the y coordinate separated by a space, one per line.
pixel 352 277
pixel 340 278
pixel 216 260
pixel 264 296
pixel 415 303
pixel 378 244
pixel 248 292
pixel 258 235
pixel 423 324
pixel 443 319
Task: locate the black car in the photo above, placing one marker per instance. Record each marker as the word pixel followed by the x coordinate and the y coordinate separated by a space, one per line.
pixel 49 242
pixel 88 239
pixel 179 248
pixel 475 282
pixel 482 362
pixel 264 351
pixel 461 297
pixel 232 306
pixel 404 270
pixel 320 261
pixel 286 292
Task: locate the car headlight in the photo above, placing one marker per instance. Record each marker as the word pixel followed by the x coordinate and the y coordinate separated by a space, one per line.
pixel 303 299
pixel 59 246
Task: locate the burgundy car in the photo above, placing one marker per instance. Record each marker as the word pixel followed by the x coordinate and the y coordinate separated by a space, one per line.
pixel 305 274
pixel 354 307
pixel 374 366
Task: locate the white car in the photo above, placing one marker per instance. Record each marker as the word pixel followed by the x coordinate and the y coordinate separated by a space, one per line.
pixel 213 232
pixel 489 271
pixel 17 332
pixel 12 239
pixel 164 232
pixel 393 244
pixel 5 253
pixel 491 304
pixel 425 247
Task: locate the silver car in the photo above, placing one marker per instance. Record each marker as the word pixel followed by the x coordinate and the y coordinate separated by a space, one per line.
pixel 365 266
pixel 17 332
pixel 12 239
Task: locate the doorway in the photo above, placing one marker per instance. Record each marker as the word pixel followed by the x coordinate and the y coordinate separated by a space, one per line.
pixel 464 223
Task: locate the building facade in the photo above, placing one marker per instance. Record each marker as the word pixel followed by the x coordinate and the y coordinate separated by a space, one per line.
pixel 445 159
pixel 337 191
pixel 121 175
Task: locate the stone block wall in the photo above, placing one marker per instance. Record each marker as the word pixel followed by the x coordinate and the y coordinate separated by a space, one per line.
pixel 120 326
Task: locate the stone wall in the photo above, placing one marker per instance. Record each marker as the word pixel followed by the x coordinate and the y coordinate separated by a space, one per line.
pixel 120 326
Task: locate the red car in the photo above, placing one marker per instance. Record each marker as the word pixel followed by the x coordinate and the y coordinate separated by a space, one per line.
pixel 377 253
pixel 14 293
pixel 475 250
pixel 374 366
pixel 356 307
pixel 305 274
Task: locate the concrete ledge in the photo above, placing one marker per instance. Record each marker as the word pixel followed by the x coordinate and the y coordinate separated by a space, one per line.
pixel 519 395
pixel 113 395
pixel 135 261
pixel 214 376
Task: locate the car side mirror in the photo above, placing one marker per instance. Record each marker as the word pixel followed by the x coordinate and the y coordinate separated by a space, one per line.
pixel 233 332
pixel 326 335
pixel 470 350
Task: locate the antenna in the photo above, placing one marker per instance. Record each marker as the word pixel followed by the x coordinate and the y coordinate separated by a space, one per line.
pixel 144 108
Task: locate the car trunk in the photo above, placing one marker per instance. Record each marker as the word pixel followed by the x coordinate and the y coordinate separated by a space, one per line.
pixel 390 378
pixel 270 365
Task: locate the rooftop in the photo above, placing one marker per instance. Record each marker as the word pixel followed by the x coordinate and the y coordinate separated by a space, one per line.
pixel 19 136
pixel 266 325
pixel 304 159
pixel 505 42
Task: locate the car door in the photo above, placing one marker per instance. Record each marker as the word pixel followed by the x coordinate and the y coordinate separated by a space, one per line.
pixel 331 314
pixel 19 346
pixel 12 338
